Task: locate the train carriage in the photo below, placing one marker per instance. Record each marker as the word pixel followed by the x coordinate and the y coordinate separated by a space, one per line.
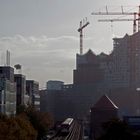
pixel 66 126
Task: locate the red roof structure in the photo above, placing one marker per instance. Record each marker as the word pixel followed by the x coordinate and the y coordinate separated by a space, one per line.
pixel 103 111
pixel 105 103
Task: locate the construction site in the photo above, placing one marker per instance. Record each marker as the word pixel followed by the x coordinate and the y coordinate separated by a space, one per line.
pixel 116 75
pixel 118 69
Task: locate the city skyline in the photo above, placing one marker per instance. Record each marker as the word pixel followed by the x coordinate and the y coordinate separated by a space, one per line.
pixel 42 35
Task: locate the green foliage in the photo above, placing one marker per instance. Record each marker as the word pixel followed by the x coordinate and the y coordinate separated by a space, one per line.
pixel 16 128
pixel 39 120
pixel 29 124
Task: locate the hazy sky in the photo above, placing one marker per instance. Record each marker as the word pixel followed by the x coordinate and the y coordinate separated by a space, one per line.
pixel 42 34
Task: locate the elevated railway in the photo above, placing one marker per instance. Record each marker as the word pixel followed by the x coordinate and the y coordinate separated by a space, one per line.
pixel 75 132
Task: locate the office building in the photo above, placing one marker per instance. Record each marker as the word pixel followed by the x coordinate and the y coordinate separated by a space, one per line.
pixel 54 85
pixel 7 91
pixel 7 72
pixel 20 81
pixel 32 90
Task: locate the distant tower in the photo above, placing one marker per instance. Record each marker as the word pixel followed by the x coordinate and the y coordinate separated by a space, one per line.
pixel 7 58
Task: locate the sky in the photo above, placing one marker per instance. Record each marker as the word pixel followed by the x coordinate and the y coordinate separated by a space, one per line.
pixel 42 35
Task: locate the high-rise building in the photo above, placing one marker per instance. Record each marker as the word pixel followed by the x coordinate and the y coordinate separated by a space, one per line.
pixel 7 72
pixel 20 88
pixel 88 69
pixel 32 90
pixel 7 91
pixel 126 59
pixel 118 69
pixel 54 85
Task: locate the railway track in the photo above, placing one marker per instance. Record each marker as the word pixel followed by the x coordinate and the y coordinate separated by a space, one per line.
pixel 77 132
pixel 74 134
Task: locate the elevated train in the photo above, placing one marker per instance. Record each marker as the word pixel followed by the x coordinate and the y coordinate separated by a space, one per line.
pixel 67 126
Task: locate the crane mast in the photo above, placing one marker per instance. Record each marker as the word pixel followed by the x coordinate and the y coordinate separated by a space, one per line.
pixel 83 24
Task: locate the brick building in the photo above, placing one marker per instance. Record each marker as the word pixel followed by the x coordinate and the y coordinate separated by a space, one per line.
pixel 103 111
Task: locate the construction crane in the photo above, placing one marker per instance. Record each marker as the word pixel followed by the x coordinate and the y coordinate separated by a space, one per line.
pixel 113 13
pixel 83 24
pixel 135 14
pixel 115 20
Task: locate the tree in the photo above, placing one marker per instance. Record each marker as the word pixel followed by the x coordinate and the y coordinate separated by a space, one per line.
pixel 42 122
pixel 116 130
pixel 16 128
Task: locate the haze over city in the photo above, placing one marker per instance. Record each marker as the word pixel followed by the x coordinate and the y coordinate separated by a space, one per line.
pixel 69 71
pixel 42 35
